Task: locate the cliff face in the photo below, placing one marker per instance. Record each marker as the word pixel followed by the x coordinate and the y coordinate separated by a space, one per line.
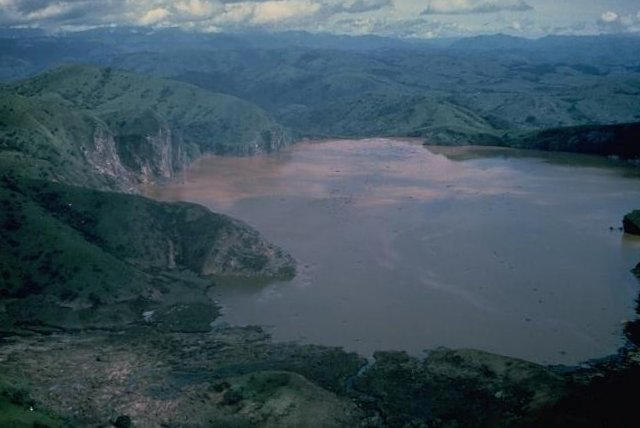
pixel 270 140
pixel 149 150
pixel 102 155
pixel 130 157
pixel 126 161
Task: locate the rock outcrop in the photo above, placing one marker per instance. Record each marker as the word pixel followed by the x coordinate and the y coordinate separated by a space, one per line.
pixel 631 223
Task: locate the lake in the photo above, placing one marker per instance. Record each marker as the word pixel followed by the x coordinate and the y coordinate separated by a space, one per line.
pixel 406 247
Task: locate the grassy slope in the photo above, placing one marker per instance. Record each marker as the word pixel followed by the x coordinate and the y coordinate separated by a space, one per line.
pixel 209 120
pixel 74 258
pixel 19 410
pixel 324 86
pixel 619 140
pixel 325 93
pixel 48 124
pixel 41 137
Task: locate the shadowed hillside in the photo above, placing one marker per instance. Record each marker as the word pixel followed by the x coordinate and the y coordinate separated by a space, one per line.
pixel 621 140
pixel 76 258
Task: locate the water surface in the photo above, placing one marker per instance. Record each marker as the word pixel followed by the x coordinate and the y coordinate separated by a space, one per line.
pixel 400 247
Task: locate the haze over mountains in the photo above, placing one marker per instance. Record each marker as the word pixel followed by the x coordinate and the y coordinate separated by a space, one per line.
pixel 326 85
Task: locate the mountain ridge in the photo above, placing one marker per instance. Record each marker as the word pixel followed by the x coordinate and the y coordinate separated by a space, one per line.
pixel 132 129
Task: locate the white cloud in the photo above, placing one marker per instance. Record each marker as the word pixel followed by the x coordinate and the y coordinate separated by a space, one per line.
pixel 235 13
pixel 50 11
pixel 154 16
pixel 200 8
pixel 609 16
pixel 282 10
pixel 358 6
pixel 384 17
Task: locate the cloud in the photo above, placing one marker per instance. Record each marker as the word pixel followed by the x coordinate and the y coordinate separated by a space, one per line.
pixel 400 18
pixel 190 13
pixel 199 8
pixel 464 7
pixel 51 12
pixel 609 16
pixel 617 22
pixel 359 6
pixel 154 16
pixel 282 10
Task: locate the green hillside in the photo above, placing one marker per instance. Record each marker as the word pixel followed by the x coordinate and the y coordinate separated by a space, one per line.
pixel 75 258
pixel 385 114
pixel 111 129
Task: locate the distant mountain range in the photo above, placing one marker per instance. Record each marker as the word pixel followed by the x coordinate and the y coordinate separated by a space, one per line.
pixel 448 91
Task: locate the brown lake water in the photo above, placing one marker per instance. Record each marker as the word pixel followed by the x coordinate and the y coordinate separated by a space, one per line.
pixel 401 247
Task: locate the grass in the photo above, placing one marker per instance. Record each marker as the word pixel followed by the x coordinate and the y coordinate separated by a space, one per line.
pixel 131 103
pixel 18 409
pixel 75 258
pixel 97 127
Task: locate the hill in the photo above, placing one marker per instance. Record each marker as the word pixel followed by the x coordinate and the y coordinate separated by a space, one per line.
pixel 78 258
pixel 110 129
pixel 622 140
pixel 74 256
pixel 312 90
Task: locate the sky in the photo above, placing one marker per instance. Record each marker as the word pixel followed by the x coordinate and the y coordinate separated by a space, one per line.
pixel 397 18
